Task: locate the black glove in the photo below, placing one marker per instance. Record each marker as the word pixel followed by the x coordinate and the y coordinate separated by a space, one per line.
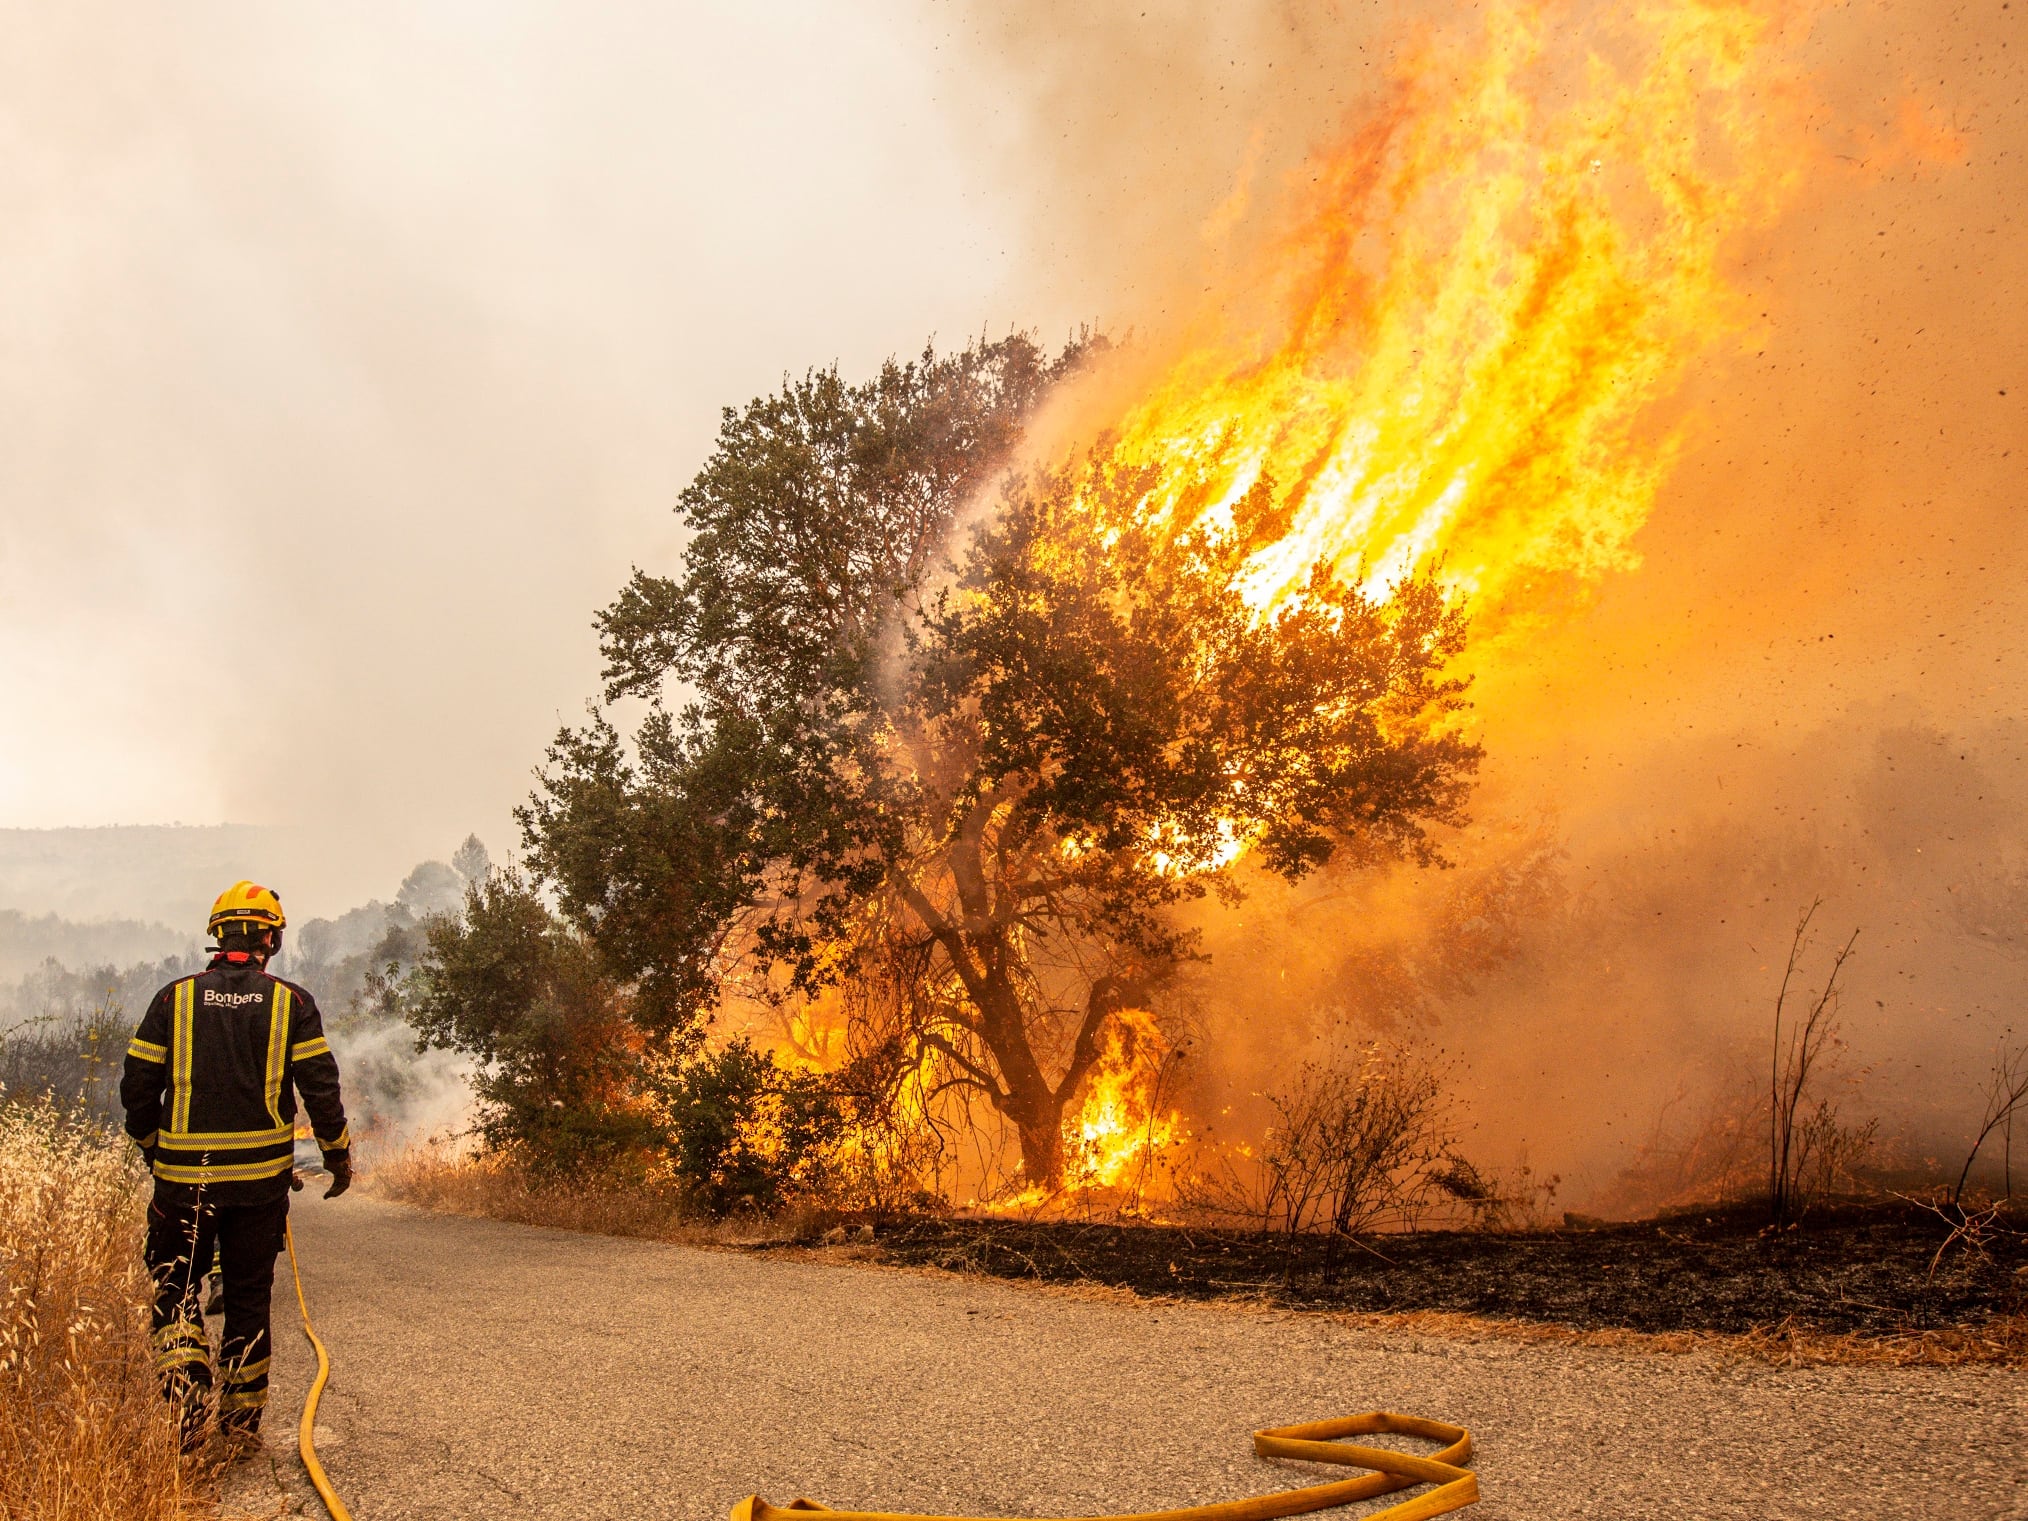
pixel 295 1182
pixel 339 1165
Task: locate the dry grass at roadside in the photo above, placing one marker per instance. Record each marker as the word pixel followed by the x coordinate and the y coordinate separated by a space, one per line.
pixel 438 1177
pixel 2000 1342
pixel 84 1434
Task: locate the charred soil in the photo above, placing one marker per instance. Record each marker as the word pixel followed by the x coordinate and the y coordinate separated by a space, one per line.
pixel 1864 1270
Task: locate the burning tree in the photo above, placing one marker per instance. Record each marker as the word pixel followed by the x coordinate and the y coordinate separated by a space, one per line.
pixel 964 772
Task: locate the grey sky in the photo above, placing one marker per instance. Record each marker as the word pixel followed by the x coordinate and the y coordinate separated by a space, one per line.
pixel 350 355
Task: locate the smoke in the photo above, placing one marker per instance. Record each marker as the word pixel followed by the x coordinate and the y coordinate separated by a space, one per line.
pixel 399 1095
pixel 1808 687
pixel 353 356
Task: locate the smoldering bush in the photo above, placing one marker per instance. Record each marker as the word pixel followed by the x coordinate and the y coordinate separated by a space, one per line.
pixel 1362 1141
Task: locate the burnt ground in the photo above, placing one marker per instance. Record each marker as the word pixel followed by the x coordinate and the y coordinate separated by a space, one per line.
pixel 1860 1269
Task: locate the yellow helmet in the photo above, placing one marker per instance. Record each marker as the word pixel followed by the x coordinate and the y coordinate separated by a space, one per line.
pixel 246 903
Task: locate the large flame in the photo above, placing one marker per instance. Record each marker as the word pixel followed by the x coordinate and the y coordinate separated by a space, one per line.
pixel 1486 286
pixel 1122 1126
pixel 1448 357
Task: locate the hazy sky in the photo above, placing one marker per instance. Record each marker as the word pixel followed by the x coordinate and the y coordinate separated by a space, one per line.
pixel 349 355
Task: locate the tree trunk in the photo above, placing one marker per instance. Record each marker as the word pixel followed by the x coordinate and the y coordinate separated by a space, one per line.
pixel 1035 1107
pixel 977 942
pixel 1028 1099
pixel 1042 1148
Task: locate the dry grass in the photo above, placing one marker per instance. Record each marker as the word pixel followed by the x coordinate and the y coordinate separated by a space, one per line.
pixel 84 1434
pixel 437 1177
pixel 2000 1342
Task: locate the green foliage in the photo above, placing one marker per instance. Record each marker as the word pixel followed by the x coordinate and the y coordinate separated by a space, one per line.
pixel 744 1133
pixel 1125 696
pixel 970 793
pixel 814 524
pixel 569 1082
pixel 512 986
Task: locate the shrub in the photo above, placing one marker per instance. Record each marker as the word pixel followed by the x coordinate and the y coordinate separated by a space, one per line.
pixel 524 995
pixel 745 1133
pixel 1357 1143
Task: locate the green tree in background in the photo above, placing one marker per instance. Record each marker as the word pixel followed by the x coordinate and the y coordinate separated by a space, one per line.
pixel 471 860
pixel 522 993
pixel 964 773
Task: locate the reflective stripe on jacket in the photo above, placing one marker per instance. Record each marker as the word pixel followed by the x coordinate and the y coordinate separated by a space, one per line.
pixel 213 1072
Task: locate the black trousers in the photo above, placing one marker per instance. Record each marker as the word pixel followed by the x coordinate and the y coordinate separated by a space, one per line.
pixel 184 1229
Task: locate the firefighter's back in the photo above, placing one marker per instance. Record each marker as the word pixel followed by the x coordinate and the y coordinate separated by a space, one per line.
pixel 229 1107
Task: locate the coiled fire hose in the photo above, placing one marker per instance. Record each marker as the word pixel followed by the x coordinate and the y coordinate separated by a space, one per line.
pixel 1315 1442
pixel 305 1445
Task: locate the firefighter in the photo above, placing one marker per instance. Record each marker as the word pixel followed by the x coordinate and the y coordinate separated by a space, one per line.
pixel 210 1091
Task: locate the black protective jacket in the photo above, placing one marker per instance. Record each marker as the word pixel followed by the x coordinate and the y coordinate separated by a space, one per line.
pixel 211 1082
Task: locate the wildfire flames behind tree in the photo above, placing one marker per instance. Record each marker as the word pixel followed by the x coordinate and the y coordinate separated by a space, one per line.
pixel 982 794
pixel 978 674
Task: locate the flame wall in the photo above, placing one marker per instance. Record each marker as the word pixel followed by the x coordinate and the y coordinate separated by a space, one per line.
pixel 1780 655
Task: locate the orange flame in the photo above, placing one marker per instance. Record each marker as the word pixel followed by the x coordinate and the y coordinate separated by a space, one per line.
pixel 1121 1127
pixel 1482 293
pixel 1484 289
pixel 1454 347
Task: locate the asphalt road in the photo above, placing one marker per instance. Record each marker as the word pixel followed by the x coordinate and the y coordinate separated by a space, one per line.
pixel 490 1370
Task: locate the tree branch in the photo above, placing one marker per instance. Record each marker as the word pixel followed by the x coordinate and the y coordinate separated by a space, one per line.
pixel 1108 995
pixel 946 934
pixel 976 1074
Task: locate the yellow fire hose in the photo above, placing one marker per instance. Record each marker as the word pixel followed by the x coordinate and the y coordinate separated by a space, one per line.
pixel 1316 1442
pixel 304 1441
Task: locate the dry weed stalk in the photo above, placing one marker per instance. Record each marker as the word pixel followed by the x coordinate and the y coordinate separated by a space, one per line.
pixel 2006 1096
pixel 1809 1148
pixel 84 1433
pixel 1971 1225
pixel 1360 1144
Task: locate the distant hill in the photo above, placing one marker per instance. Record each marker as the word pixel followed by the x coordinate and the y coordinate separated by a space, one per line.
pixel 25 943
pixel 163 874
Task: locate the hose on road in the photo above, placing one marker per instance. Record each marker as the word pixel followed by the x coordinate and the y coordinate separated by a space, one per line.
pixel 1314 1442
pixel 304 1442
